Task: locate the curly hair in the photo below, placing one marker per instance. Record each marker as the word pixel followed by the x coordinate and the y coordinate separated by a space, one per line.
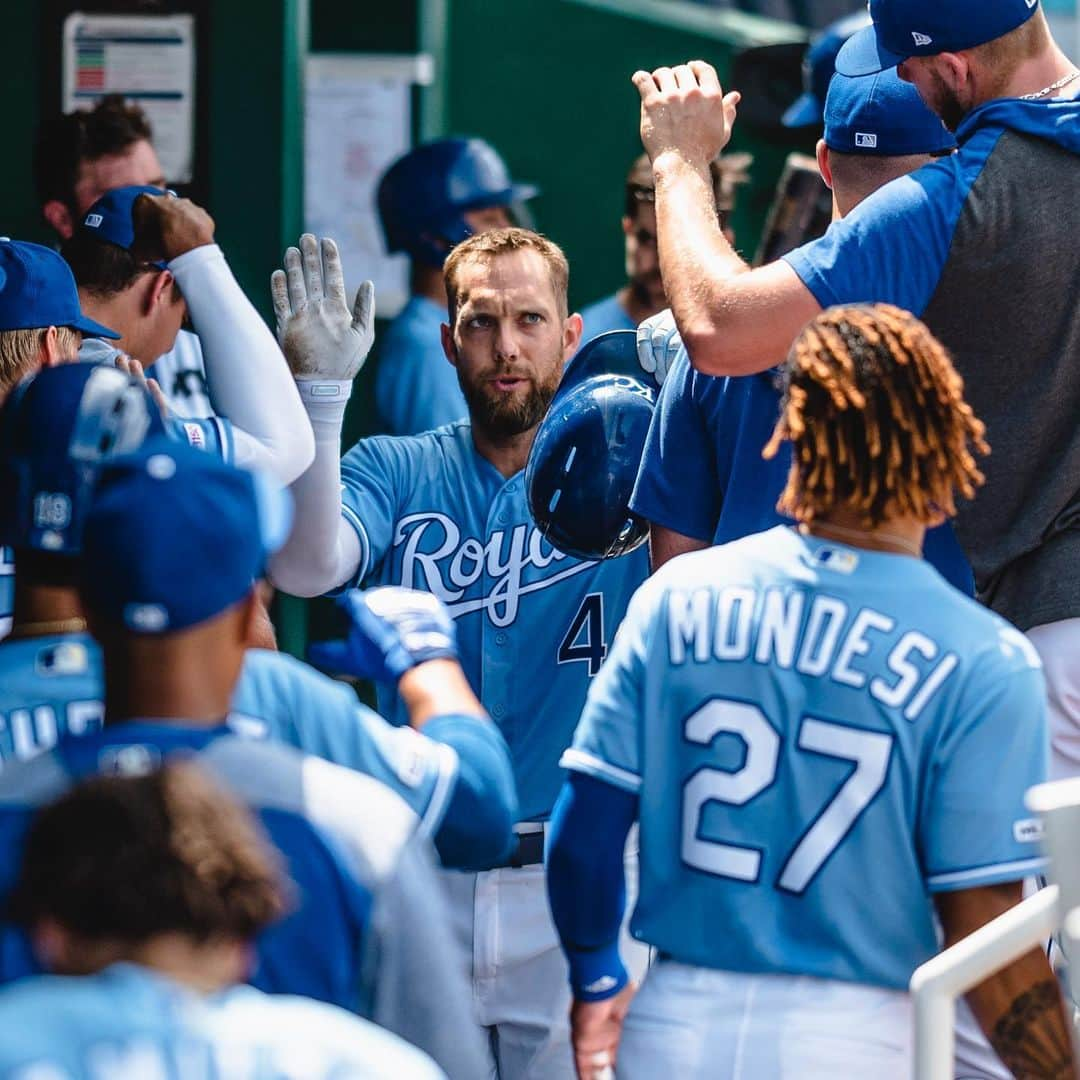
pixel 876 416
pixel 129 857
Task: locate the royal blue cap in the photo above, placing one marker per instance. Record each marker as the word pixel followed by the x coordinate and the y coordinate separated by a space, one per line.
pixel 56 428
pixel 110 218
pixel 906 28
pixel 37 290
pixel 175 536
pixel 882 116
pixel 818 67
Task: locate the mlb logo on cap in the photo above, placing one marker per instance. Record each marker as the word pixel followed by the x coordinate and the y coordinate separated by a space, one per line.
pixel 865 139
pixel 93 221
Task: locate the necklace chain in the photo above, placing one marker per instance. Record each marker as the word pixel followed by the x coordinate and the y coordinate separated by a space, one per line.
pixel 1063 81
pixel 861 536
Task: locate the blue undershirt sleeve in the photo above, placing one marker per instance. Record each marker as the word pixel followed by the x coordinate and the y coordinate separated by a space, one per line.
pixel 477 827
pixel 586 883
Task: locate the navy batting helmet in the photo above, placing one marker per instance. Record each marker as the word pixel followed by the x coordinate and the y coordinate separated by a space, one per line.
pixel 55 430
pixel 424 195
pixel 584 461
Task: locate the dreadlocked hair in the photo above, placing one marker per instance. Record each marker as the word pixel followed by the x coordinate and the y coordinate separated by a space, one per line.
pixel 876 416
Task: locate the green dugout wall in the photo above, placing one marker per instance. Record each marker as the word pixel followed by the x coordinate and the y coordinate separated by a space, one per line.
pixel 546 81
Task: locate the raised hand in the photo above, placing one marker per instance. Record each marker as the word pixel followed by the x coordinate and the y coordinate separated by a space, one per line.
pixel 319 335
pixel 684 110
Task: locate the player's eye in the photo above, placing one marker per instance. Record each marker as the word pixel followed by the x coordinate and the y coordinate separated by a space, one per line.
pixel 479 322
pixel 532 318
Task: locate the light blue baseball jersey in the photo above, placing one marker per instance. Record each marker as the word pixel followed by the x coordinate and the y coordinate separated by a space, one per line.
pixel 533 624
pixel 416 388
pixel 130 1023
pixel 51 687
pixel 7 589
pixel 819 737
pixel 604 315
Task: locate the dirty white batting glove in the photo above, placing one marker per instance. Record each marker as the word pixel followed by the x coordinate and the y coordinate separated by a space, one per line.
pixel 658 343
pixel 324 342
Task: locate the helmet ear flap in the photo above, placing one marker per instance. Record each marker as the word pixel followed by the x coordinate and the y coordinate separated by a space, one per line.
pixel 584 464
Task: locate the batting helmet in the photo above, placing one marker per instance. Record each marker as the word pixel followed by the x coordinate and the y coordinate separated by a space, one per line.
pixel 55 430
pixel 584 461
pixel 424 195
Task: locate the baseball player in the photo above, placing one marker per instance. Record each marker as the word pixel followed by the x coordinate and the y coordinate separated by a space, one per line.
pixel 81 156
pixel 144 894
pixel 55 432
pixel 372 933
pixel 703 479
pixel 995 75
pixel 430 199
pixel 146 260
pixel 806 722
pixel 446 512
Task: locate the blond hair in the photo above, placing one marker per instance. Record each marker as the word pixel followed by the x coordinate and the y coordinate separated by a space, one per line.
pixel 20 349
pixel 485 246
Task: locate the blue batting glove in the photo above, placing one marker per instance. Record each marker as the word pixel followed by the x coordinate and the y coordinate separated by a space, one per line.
pixel 393 630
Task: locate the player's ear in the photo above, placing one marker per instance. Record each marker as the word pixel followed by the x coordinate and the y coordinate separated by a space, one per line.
pixel 572 328
pixel 59 217
pixel 160 289
pixel 52 946
pixel 448 347
pixel 823 163
pixel 259 630
pixel 627 225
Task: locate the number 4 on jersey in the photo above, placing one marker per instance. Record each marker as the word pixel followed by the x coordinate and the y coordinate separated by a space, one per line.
pixel 584 640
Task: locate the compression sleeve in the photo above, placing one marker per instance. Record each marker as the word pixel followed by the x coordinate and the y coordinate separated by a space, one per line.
pixel 248 379
pixel 586 882
pixel 477 828
pixel 323 550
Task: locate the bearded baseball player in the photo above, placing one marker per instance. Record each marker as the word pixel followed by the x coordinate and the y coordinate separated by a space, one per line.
pixel 446 511
pixel 806 722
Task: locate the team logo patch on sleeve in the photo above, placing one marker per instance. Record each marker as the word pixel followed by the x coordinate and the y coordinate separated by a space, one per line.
pixel 195 436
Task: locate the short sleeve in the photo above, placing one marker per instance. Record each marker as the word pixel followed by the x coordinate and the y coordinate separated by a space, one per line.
pixel 975 828
pixel 370 477
pixel 607 737
pixel 891 248
pixel 677 484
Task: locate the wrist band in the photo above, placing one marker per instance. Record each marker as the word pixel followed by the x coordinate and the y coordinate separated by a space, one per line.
pixel 324 391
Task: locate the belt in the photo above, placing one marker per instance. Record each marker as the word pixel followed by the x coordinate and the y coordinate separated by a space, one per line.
pixel 529 850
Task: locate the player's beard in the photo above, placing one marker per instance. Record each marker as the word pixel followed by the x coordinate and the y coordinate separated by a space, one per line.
pixel 946 104
pixel 504 415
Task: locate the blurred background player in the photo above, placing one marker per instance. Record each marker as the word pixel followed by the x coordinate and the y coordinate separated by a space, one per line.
pixel 371 933
pixel 81 156
pixel 430 199
pixel 55 433
pixel 41 325
pixel 446 511
pixel 643 294
pixel 144 895
pixel 806 723
pixel 703 479
pixel 148 261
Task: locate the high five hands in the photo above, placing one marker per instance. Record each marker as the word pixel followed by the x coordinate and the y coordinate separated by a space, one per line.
pixel 685 111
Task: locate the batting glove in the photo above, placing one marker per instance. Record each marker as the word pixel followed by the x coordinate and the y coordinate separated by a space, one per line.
pixel 658 343
pixel 320 337
pixel 393 630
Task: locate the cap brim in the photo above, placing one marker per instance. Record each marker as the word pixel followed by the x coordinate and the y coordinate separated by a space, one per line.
pixel 94 329
pixel 863 54
pixel 523 192
pixel 805 112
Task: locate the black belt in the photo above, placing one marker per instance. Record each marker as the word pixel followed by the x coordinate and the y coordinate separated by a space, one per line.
pixel 529 851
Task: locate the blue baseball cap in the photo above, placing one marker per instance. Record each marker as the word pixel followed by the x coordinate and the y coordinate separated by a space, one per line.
pixel 37 290
pixel 882 116
pixel 56 428
pixel 906 28
pixel 110 218
pixel 818 67
pixel 175 536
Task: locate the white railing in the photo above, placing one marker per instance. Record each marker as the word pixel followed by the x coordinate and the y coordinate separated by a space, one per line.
pixel 937 984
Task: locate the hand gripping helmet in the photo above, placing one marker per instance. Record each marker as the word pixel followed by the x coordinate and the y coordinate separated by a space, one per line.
pixel 584 460
pixel 424 195
pixel 55 430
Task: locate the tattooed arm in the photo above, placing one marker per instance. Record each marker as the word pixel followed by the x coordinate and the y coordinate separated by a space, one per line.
pixel 1020 1008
